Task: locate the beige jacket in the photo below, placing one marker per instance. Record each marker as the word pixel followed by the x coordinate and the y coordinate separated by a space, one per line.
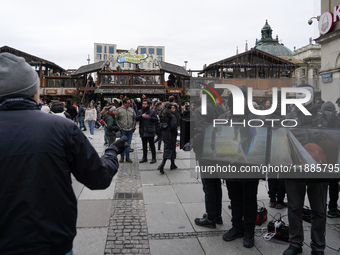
pixel 90 114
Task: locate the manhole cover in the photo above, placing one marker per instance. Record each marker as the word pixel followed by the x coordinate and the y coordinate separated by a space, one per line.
pixel 128 196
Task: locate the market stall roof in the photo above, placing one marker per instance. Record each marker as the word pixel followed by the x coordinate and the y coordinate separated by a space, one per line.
pixel 244 59
pixel 90 68
pixel 32 60
pixel 171 68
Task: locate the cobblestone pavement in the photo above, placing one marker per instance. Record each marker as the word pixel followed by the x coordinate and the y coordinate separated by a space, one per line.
pixel 143 212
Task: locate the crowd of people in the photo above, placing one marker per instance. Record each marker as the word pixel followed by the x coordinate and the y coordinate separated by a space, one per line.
pixel 39 184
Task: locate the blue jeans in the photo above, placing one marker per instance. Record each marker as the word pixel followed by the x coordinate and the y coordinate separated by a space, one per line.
pixel 81 122
pixel 105 140
pixel 128 134
pixel 91 126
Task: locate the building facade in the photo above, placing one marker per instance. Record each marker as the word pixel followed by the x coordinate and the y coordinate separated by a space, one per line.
pixel 329 39
pixel 310 65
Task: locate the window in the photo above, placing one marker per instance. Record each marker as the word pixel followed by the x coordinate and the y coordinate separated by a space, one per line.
pixel 105 57
pixel 122 65
pixel 149 65
pixel 111 49
pixel 294 72
pixel 303 72
pixel 142 50
pixel 104 49
pixel 151 51
pixel 315 71
pixel 141 65
pixel 113 64
pixel 315 83
pixel 99 56
pixel 159 52
pixel 159 58
pixel 99 49
pixel 129 66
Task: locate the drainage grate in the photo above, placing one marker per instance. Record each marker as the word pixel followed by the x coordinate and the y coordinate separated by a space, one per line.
pixel 128 196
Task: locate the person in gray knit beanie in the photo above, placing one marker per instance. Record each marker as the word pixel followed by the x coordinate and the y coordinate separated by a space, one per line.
pixel 17 76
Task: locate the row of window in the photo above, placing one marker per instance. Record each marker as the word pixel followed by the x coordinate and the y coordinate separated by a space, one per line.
pixel 107 49
pixel 152 51
pixel 303 72
pixel 134 66
pixel 99 57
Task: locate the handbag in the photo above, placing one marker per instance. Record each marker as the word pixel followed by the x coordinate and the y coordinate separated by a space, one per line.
pixel 163 125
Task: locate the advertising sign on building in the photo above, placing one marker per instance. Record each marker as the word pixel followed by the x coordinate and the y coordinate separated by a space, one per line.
pixel 132 58
pixel 327 20
pixel 326 78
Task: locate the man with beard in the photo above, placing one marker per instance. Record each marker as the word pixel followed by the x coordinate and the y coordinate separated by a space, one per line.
pixel 148 119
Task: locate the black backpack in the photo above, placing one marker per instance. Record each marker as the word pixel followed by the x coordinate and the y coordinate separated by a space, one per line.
pixel 325 119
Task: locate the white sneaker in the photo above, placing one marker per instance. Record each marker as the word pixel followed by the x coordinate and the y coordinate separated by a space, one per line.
pixel 91 136
pixel 100 127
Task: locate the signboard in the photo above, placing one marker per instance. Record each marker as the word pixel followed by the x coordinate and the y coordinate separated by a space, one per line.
pixel 326 78
pixel 174 91
pixel 132 58
pixel 327 20
pixel 51 91
pixel 69 91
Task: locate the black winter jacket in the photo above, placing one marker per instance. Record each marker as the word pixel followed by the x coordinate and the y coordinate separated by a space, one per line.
pixel 38 153
pixel 147 125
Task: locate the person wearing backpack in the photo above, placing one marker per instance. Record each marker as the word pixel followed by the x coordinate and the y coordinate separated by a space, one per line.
pixel 327 116
pixel 81 117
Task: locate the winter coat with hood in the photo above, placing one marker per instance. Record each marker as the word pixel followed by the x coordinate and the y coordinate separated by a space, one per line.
pixel 110 124
pixel 38 209
pixel 169 134
pixel 58 109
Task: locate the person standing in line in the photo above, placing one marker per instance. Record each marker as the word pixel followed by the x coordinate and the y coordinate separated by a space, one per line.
pixel 38 209
pixel 133 105
pixel 91 117
pixel 147 119
pixel 127 123
pixel 168 126
pixel 111 125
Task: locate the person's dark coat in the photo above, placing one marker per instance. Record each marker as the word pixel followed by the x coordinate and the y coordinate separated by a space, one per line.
pixel 38 154
pixel 70 109
pixel 147 125
pixel 157 128
pixel 111 125
pixel 169 134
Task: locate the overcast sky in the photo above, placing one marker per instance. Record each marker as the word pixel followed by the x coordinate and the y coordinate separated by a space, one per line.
pixel 200 32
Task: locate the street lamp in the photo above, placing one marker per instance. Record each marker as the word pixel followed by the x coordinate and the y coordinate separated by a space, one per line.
pixel 88 59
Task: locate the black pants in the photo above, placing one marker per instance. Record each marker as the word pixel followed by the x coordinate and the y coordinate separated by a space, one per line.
pixel 333 195
pixel 277 190
pixel 317 195
pixel 145 140
pixel 243 198
pixel 213 197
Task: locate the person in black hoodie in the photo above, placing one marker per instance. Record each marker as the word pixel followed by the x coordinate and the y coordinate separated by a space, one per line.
pixel 148 119
pixel 71 109
pixel 38 209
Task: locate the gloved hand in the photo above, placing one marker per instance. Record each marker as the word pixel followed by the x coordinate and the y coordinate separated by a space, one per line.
pixel 120 145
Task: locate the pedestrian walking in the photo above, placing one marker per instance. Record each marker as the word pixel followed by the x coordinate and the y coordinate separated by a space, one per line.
pixel 81 117
pixel 168 126
pixel 90 118
pixel 126 121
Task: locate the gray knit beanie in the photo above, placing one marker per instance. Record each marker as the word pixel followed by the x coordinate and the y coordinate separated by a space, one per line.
pixel 17 76
pixel 112 109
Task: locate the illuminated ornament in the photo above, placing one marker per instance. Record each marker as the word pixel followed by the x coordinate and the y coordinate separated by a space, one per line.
pixel 121 97
pixel 144 96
